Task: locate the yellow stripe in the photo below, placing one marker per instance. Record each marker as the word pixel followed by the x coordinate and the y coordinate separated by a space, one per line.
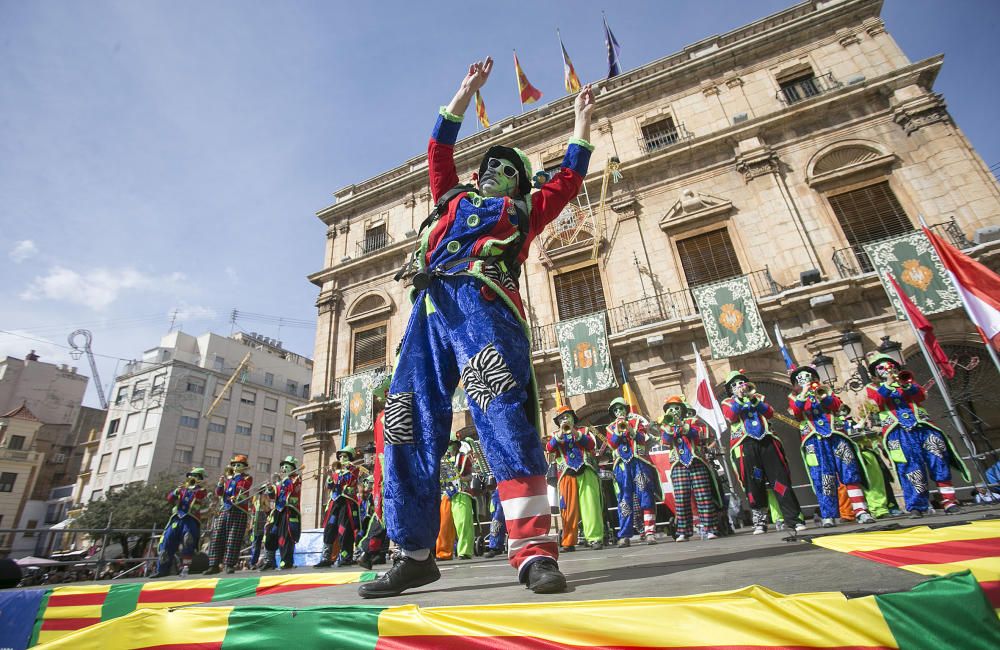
pixel 730 618
pixel 50 636
pixel 76 590
pixel 73 611
pixel 171 585
pixel 984 569
pixel 876 540
pixel 306 579
pixel 150 627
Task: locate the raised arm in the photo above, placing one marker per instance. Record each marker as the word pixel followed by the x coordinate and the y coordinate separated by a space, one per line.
pixel 441 149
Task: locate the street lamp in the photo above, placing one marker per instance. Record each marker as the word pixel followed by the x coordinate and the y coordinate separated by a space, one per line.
pixel 851 343
pixel 892 349
pixel 824 367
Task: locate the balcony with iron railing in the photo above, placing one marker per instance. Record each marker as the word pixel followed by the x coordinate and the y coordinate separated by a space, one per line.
pixel 661 308
pixel 852 261
pixel 659 139
pixel 374 241
pixel 799 90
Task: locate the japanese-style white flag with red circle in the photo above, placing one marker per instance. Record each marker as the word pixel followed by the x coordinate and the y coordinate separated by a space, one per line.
pixel 705 404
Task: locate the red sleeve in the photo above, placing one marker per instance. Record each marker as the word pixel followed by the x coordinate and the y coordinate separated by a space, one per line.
pixel 201 493
pixel 548 202
pixel 220 489
pixel 172 495
pixel 588 441
pixel 551 445
pixel 874 396
pixel 728 412
pixel 768 411
pixel 834 405
pixel 441 168
pixel 919 395
pixel 796 411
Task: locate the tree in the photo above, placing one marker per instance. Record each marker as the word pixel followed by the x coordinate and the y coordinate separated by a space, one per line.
pixel 140 506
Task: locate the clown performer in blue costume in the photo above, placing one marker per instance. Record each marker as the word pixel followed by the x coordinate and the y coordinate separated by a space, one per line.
pixel 183 529
pixel 468 321
pixel 757 453
pixel 919 449
pixel 284 523
pixel 829 455
pixel 637 483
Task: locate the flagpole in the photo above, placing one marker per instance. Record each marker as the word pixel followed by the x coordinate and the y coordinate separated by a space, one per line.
pixel 949 405
pixel 559 37
pixel 965 305
pixel 517 67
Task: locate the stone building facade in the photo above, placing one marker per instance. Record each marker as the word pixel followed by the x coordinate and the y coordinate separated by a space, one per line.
pixel 774 151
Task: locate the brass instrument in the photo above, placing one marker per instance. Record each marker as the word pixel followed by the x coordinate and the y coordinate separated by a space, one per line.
pixel 565 427
pixel 621 426
pixel 902 377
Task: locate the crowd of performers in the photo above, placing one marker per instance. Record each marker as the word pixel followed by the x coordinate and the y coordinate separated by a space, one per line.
pixel 608 488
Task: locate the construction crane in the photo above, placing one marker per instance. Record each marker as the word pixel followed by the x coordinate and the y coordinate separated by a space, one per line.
pixel 244 366
pixel 77 352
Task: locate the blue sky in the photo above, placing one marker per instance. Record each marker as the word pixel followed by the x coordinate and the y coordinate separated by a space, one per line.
pixel 161 156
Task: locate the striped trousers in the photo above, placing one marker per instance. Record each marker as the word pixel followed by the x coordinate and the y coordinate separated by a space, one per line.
pixel 693 481
pixel 228 539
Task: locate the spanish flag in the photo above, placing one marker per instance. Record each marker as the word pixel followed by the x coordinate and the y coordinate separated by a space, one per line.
pixel 528 92
pixel 569 73
pixel 481 111
pixel 627 394
pixel 558 393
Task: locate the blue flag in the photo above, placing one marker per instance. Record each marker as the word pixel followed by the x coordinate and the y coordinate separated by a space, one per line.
pixel 614 50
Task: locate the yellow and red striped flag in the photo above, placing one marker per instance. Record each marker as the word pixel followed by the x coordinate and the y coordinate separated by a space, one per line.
pixel 571 81
pixel 528 92
pixel 481 111
pixel 627 394
pixel 558 395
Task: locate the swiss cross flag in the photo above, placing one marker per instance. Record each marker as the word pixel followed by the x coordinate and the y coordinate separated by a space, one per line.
pixel 705 405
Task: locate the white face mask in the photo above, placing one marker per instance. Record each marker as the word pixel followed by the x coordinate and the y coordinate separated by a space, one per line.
pixel 803 379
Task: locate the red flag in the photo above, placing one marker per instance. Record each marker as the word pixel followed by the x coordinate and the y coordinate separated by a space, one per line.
pixel 571 81
pixel 978 286
pixel 529 93
pixel 926 330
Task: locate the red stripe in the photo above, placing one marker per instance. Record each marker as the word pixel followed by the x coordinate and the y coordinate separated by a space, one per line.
pixel 992 590
pixel 202 595
pixel 443 642
pixel 212 645
pixel 54 624
pixel 280 589
pixel 545 549
pixel 76 600
pixel 525 486
pixel 529 526
pixel 935 553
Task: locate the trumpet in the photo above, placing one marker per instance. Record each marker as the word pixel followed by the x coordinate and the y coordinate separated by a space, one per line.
pixel 565 428
pixel 621 426
pixel 902 377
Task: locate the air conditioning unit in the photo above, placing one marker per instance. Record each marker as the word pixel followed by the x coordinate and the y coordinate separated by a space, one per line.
pixel 740 118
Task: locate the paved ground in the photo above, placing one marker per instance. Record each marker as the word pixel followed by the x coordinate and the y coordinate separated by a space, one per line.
pixel 667 569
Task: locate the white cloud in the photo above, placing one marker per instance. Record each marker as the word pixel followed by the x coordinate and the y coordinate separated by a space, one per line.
pixel 187 313
pixel 23 250
pixel 16 345
pixel 96 289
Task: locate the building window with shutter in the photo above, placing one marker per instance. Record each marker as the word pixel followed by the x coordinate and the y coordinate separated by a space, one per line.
pixel 369 347
pixel 659 135
pixel 708 257
pixel 869 214
pixel 376 238
pixel 579 292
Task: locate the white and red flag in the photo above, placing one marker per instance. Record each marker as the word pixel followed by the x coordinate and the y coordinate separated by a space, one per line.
pixel 978 287
pixel 924 330
pixel 706 406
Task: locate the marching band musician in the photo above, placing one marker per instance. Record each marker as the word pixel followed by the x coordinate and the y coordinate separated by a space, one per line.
pixel 457 532
pixel 757 453
pixel 341 517
pixel 579 487
pixel 284 524
pixel 233 488
pixel 374 542
pixel 260 506
pixel 829 455
pixel 912 441
pixel 636 481
pixel 690 473
pixel 184 526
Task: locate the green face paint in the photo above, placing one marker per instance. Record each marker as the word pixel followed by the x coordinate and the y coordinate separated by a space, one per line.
pixel 674 413
pixel 495 182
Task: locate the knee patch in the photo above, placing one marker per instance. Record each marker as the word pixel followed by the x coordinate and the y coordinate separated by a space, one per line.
pixel 486 376
pixel 399 419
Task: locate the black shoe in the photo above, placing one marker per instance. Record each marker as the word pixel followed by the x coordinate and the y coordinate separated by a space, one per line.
pixel 952 509
pixel 365 561
pixel 406 573
pixel 213 570
pixel 490 553
pixel 161 574
pixel 322 564
pixel 567 549
pixel 544 577
pixel 464 557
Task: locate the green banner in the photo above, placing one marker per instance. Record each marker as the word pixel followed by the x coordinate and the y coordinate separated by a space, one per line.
pixel 356 399
pixel 585 354
pixel 918 269
pixel 732 321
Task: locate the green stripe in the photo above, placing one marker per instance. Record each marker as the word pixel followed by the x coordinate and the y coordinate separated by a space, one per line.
pixel 348 628
pixel 121 600
pixel 944 612
pixel 228 588
pixel 38 617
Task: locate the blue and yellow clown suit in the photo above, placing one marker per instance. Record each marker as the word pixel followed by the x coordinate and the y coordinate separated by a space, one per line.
pixel 757 454
pixel 342 518
pixel 579 486
pixel 468 322
pixel 921 451
pixel 829 455
pixel 284 524
pixel 183 529
pixel 232 525
pixel 637 484
pixel 690 474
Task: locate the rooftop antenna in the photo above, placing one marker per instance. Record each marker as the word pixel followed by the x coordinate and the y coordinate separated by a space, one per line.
pixel 173 320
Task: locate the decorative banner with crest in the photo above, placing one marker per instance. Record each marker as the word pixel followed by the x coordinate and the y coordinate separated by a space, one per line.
pixel 356 399
pixel 919 271
pixel 732 321
pixel 585 354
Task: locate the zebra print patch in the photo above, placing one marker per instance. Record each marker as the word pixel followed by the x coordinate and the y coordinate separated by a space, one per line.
pixel 399 419
pixel 500 277
pixel 486 376
pixel 844 452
